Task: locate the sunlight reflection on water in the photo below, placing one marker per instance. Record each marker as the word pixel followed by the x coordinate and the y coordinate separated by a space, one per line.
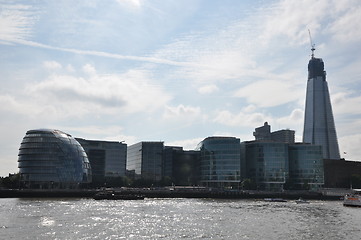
pixel 176 219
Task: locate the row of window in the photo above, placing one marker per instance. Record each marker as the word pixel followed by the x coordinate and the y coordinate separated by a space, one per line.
pixel 52 156
pixel 39 145
pixel 312 170
pixel 219 173
pixel 220 178
pixel 220 167
pixel 40 139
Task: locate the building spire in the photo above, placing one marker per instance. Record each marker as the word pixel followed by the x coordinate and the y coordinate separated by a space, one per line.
pixel 312 44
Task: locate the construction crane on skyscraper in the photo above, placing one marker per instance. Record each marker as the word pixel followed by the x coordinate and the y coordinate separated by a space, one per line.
pixel 312 44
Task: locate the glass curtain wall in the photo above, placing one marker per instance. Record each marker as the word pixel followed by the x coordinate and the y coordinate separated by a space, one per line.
pixel 267 164
pixel 220 162
pixel 52 159
pixel 306 166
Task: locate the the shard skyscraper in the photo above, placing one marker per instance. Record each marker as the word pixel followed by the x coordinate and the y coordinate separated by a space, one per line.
pixel 319 126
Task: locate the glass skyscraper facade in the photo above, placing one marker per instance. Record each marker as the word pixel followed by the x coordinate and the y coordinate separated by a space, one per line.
pixel 220 162
pixel 306 169
pixel 319 126
pixel 52 159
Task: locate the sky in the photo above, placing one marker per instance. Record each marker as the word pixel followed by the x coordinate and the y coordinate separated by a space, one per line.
pixel 173 71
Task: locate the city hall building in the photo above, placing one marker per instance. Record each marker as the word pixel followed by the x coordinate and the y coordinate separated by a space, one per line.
pixel 50 158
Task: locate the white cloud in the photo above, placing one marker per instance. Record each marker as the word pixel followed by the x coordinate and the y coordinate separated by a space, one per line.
pixel 294 121
pixel 89 69
pixel 100 132
pixel 16 22
pixel 70 68
pixel 130 3
pixel 19 106
pixel 240 119
pixel 52 65
pixel 293 18
pixel 270 93
pixel 249 108
pixel 220 66
pixel 350 147
pixel 106 54
pixel 68 95
pixel 181 111
pixel 346 26
pixel 208 89
pixel 250 119
pixel 340 18
pixel 345 102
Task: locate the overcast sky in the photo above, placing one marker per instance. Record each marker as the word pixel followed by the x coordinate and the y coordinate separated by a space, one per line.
pixel 173 71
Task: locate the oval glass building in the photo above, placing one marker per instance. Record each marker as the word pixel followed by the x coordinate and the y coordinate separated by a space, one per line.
pixel 52 159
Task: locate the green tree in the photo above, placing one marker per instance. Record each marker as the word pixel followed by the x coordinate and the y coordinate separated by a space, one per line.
pixel 10 182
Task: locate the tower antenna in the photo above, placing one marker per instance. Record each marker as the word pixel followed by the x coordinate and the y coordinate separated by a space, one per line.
pixel 312 44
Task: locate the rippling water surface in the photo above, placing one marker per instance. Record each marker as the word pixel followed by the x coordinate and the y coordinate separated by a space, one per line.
pixel 176 219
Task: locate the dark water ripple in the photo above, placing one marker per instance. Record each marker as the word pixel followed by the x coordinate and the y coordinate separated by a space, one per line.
pixel 176 219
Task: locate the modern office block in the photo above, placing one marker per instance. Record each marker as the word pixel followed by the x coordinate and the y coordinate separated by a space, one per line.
pixel 52 159
pixel 306 170
pixel 180 166
pixel 170 154
pixel 144 159
pixel 107 158
pixel 220 162
pixel 266 164
pixel 319 126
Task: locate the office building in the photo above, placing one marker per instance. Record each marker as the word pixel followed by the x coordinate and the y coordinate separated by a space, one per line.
pixel 266 164
pixel 170 154
pixel 52 159
pixel 264 133
pixel 319 126
pixel 107 159
pixel 306 169
pixel 180 166
pixel 220 162
pixel 275 162
pixel 144 160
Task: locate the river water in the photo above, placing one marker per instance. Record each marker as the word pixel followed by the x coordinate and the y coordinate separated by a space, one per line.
pixel 176 219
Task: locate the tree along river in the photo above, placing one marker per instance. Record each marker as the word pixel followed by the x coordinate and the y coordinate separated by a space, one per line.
pixel 176 219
